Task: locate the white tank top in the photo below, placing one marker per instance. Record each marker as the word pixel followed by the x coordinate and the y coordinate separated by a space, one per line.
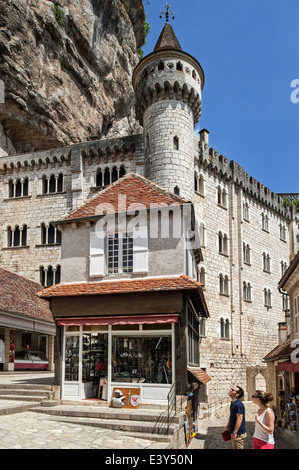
pixel 260 433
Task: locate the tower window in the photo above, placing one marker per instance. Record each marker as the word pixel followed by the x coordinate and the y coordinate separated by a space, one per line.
pixel 179 66
pixel 176 142
pixel 177 190
pixel 161 66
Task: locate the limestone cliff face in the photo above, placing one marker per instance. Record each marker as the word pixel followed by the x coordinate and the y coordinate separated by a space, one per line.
pixel 67 68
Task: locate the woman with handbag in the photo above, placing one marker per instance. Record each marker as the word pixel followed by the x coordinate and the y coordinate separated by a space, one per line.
pixel 263 437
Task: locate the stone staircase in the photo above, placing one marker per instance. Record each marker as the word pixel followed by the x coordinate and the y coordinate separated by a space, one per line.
pixel 141 423
pixel 26 392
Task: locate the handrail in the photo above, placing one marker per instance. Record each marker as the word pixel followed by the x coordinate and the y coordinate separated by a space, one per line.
pixel 220 402
pixel 172 402
pixel 164 421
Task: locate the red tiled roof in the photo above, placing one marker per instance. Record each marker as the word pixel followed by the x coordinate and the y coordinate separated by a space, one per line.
pixel 199 374
pixel 18 295
pixel 280 351
pixel 182 282
pixel 134 189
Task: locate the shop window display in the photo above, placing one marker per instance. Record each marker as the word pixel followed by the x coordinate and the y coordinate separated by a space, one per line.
pixel 141 359
pixel 94 356
pixel 72 358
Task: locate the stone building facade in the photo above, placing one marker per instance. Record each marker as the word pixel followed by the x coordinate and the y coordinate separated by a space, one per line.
pixel 244 227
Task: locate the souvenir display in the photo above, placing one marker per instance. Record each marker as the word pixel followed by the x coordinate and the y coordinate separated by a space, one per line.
pixel 72 358
pixel 143 359
pixel 94 357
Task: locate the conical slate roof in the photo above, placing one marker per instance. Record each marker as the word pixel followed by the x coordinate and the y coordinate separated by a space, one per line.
pixel 167 40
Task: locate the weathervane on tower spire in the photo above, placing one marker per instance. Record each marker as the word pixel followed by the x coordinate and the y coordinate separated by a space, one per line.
pixel 167 12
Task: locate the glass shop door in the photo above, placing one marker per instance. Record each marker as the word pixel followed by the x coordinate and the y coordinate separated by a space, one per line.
pixel 95 365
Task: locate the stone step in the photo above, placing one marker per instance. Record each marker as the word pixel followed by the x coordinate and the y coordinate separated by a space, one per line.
pixel 152 422
pixel 8 408
pixel 32 393
pixel 131 426
pixel 22 398
pixel 107 413
pixel 25 387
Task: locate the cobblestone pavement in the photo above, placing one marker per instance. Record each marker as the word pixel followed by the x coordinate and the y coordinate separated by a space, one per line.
pixel 31 430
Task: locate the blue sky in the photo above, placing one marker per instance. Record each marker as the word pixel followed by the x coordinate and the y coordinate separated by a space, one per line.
pixel 249 51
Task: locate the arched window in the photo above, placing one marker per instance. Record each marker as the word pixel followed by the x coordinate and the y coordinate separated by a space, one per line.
pixel 179 66
pixel 50 275
pixel 107 177
pixel 161 65
pixel 114 174
pixel 122 171
pixel 18 188
pixel 224 329
pixel 247 291
pixel 99 178
pixel 267 298
pixel 246 253
pixel 223 243
pixel 50 234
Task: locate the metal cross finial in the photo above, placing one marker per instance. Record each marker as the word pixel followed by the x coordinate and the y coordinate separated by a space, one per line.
pixel 167 12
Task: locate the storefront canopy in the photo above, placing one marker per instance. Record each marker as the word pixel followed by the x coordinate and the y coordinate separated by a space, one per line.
pixel 199 375
pixel 121 320
pixel 289 366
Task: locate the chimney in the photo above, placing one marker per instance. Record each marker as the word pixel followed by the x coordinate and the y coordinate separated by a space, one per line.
pixel 204 136
pixel 282 332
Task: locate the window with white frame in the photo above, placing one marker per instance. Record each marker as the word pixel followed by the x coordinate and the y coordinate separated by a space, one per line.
pixel 119 253
pixel 296 314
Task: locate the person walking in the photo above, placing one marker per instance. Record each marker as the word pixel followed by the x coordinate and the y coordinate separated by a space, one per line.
pixel 236 424
pixel 263 437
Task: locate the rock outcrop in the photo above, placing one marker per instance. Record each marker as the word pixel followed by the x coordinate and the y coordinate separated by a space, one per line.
pixel 67 68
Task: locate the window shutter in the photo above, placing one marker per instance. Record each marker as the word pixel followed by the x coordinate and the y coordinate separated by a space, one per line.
pixel 97 252
pixel 140 250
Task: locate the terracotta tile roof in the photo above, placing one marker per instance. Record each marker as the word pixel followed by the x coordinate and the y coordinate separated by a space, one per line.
pixel 280 351
pixel 133 189
pixel 18 295
pixel 121 287
pixel 199 374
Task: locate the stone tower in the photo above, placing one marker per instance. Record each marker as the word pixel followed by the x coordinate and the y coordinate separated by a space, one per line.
pixel 168 85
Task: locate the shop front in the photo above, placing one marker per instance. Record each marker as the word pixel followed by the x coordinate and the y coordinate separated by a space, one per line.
pixel 103 354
